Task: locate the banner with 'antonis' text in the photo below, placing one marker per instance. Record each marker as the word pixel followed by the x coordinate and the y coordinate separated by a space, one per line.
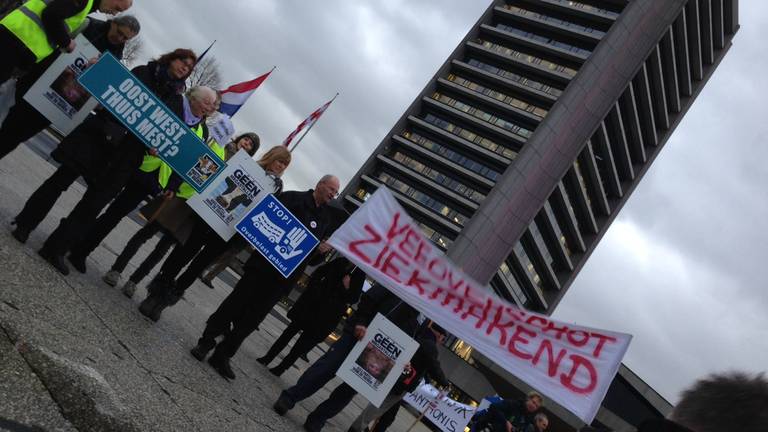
pixel 569 364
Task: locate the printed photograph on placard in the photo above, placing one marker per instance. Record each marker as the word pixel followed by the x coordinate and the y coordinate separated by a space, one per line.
pixel 374 365
pixel 203 169
pixel 66 93
pixel 228 200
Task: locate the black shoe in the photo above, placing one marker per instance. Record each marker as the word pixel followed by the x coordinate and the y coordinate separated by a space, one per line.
pixel 311 426
pixel 276 371
pixel 152 306
pixel 77 262
pixel 304 357
pixel 21 234
pixel 200 351
pixel 57 261
pixel 263 361
pixel 222 366
pixel 282 404
pixel 207 283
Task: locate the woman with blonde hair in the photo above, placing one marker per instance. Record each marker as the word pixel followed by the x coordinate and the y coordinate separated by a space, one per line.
pixel 166 289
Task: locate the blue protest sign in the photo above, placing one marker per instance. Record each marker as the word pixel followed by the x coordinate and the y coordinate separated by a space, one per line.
pixel 139 110
pixel 277 235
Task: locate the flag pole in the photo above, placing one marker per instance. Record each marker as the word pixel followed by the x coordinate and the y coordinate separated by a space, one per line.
pixel 310 126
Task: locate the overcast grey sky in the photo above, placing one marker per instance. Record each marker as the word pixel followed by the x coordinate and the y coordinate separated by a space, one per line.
pixel 682 268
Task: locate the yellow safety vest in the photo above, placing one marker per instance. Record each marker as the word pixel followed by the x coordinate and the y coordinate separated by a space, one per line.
pixel 26 24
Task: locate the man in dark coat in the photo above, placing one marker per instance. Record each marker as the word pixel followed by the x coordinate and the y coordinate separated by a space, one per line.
pixel 510 415
pixel 261 286
pixel 84 151
pixel 376 300
pixel 331 289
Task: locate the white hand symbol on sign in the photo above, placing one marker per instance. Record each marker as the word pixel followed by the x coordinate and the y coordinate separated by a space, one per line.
pixel 287 247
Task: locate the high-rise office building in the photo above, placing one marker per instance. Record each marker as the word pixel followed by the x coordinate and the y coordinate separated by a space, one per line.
pixel 521 150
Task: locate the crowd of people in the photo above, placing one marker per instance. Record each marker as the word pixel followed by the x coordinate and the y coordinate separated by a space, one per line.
pixel 122 174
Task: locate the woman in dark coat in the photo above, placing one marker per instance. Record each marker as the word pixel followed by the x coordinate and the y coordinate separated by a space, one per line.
pixel 331 289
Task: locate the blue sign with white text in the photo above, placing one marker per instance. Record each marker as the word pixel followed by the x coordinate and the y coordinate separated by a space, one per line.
pixel 141 112
pixel 277 235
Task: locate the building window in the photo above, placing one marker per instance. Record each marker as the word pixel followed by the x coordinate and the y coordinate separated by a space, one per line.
pixel 525 81
pixel 499 96
pixel 439 177
pixel 482 115
pixel 424 199
pixel 517 293
pixel 438 239
pixel 529 58
pixel 456 157
pixel 470 136
pixel 543 39
pixel 587 7
pixel 553 20
pixel 363 194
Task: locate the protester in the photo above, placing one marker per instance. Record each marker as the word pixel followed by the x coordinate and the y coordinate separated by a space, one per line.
pixel 36 29
pixel 732 401
pixel 376 300
pixel 425 362
pixel 24 121
pixel 173 218
pixel 540 423
pixel 331 289
pixel 508 415
pixel 165 78
pixel 164 290
pixel 246 307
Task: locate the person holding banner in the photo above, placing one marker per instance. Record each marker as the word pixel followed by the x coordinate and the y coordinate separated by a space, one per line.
pixel 204 246
pixel 378 299
pixel 247 306
pixel 35 30
pixel 165 78
pixel 509 415
pixel 424 362
pixel 171 216
pixel 331 288
pixel 23 120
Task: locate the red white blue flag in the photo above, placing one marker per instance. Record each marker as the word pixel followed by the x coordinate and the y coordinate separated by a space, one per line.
pixel 233 97
pixel 308 122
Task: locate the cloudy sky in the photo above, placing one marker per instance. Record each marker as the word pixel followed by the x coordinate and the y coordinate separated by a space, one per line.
pixel 682 268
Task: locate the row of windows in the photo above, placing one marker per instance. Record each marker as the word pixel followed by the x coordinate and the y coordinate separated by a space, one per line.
pixel 558 21
pixel 509 277
pixel 509 100
pixel 587 7
pixel 470 136
pixel 440 240
pixel 439 177
pixel 421 197
pixel 532 59
pixel 482 115
pixel 543 39
pixel 447 153
pixel 527 264
pixel 536 85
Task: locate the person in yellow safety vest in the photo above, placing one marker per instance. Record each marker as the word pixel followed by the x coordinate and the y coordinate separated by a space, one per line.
pixel 148 180
pixel 176 220
pixel 34 30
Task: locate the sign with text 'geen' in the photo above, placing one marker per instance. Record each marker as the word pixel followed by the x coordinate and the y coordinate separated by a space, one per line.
pixel 276 233
pixel 569 364
pixel 145 115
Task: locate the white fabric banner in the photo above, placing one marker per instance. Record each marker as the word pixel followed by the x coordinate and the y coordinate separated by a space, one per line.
pixel 57 94
pixel 241 186
pixel 571 365
pixel 445 413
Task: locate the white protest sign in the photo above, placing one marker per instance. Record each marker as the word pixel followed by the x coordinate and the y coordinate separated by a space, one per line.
pixel 376 362
pixel 572 365
pixel 445 413
pixel 240 187
pixel 57 94
pixel 221 129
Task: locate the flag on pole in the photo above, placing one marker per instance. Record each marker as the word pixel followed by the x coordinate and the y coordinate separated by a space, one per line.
pixel 234 96
pixel 205 52
pixel 308 122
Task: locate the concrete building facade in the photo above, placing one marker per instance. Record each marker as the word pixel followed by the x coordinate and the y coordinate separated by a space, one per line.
pixel 526 143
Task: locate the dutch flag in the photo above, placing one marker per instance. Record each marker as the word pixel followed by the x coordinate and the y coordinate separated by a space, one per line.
pixel 233 97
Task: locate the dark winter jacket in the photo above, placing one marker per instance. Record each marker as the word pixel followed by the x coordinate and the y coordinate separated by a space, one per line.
pixel 380 300
pixel 425 362
pixel 56 13
pixel 325 300
pixel 507 410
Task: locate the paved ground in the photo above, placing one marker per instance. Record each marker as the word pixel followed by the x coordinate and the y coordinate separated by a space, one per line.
pixel 75 354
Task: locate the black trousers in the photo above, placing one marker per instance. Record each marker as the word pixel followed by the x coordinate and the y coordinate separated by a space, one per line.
pixel 124 163
pixel 244 309
pixel 22 123
pixel 303 345
pixel 15 54
pixel 44 197
pixel 137 189
pixel 137 240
